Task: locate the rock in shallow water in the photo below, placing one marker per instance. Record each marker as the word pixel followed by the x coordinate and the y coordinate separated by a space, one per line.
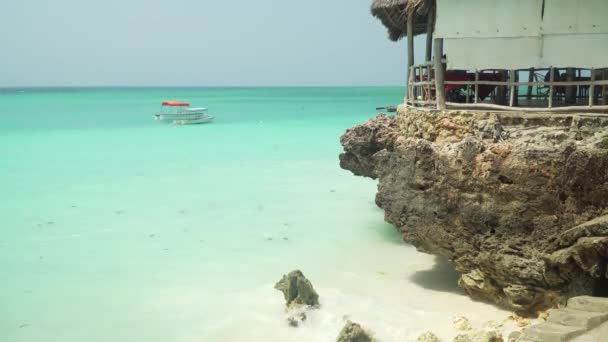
pixel 523 218
pixel 353 332
pixel 297 290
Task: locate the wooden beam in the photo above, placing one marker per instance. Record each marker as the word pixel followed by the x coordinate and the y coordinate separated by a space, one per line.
pixel 430 25
pixel 439 73
pixel 526 109
pixel 536 84
pixel 424 102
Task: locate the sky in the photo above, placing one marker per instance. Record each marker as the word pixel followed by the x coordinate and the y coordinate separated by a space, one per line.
pixel 196 43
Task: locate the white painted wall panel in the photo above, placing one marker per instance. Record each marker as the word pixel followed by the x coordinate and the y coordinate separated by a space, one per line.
pixel 488 18
pixel 575 16
pixel 499 34
pixel 581 50
pixel 489 53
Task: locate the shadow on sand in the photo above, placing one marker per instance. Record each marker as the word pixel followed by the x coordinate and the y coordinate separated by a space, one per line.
pixel 442 277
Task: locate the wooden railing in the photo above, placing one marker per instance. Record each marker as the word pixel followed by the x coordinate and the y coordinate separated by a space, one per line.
pixel 421 90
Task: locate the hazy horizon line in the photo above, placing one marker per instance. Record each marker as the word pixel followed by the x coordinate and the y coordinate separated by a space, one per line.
pixel 200 86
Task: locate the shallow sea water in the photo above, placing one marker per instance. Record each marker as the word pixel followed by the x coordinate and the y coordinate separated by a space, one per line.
pixel 115 227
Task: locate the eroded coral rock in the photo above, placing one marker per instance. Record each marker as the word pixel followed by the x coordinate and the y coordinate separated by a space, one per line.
pixel 462 323
pixel 520 321
pixel 514 336
pixel 297 290
pixel 480 336
pixel 363 141
pixel 523 216
pixel 353 332
pixel 428 337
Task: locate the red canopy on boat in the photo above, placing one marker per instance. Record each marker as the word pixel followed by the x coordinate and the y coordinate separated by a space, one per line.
pixel 176 104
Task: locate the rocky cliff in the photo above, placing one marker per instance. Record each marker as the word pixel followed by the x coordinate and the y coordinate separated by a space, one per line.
pixel 518 202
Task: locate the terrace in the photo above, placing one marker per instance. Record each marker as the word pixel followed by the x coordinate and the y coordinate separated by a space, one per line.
pixel 533 55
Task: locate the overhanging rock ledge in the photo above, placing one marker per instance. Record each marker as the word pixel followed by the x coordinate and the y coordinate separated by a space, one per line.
pixel 518 202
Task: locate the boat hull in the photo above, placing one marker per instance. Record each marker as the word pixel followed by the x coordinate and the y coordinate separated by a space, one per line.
pixel 181 116
pixel 202 120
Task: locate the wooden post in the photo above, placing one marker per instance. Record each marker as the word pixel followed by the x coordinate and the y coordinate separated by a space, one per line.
pixel 592 88
pixel 420 92
pixel 476 85
pixel 502 90
pixel 439 73
pixel 570 90
pixel 511 88
pixel 429 33
pixel 530 79
pixel 414 88
pixel 604 92
pixel 410 53
pixel 551 80
pixel 516 88
pixel 410 86
pixel 431 77
pixel 410 38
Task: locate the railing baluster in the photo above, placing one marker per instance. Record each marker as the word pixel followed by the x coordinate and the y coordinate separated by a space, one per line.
pixel 421 87
pixel 592 88
pixel 410 87
pixel 476 85
pixel 511 87
pixel 551 79
pixel 429 78
pixel 531 72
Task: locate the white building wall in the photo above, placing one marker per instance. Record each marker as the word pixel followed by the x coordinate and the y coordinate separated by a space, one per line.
pixel 486 34
pixel 484 53
pixel 575 17
pixel 488 18
pixel 575 33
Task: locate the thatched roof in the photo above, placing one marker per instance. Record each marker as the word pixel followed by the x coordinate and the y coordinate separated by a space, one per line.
pixel 393 14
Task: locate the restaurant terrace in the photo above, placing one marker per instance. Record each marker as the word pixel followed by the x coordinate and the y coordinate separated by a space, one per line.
pixel 524 55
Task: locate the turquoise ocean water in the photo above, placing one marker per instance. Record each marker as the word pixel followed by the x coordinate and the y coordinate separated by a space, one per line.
pixel 119 228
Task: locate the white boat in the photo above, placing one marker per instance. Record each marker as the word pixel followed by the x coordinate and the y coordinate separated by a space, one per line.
pixel 180 113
